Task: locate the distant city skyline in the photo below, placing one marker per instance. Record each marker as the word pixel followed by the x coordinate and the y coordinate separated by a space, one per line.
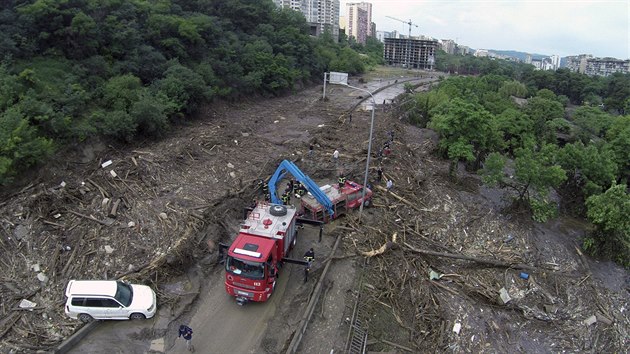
pixel 562 27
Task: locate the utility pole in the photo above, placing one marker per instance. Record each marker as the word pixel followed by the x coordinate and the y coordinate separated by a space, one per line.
pixel 408 38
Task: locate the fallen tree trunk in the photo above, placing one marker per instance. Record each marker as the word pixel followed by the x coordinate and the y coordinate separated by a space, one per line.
pixel 400 198
pixel 478 260
pixel 387 245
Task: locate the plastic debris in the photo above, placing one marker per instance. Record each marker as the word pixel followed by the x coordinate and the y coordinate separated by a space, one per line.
pixel 42 277
pixel 106 163
pixel 591 320
pixel 457 327
pixel 163 216
pixel 108 249
pixel 433 275
pixel 26 304
pixel 505 297
pixel 114 174
pixel 524 275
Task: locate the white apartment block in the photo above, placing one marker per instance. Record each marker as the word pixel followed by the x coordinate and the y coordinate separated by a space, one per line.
pixel 322 15
pixel 481 53
pixel 555 62
pixel 359 21
pixel 449 46
pixel 381 35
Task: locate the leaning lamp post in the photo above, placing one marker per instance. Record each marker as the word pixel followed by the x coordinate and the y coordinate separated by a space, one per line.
pixel 342 79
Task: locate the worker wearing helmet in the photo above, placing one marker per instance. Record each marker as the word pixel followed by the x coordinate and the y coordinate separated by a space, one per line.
pixel 342 181
pixel 285 198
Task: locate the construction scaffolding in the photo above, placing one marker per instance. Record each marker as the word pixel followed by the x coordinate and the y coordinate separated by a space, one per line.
pixel 410 53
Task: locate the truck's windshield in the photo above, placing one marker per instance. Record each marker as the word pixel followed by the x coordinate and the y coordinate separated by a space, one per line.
pixel 247 269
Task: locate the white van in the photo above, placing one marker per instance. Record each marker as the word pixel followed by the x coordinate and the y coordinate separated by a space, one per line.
pixel 109 300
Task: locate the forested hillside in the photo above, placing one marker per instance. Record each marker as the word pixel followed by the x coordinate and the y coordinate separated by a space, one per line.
pixel 545 136
pixel 71 70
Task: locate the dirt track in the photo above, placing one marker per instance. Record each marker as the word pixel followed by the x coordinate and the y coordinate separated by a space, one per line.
pixel 202 175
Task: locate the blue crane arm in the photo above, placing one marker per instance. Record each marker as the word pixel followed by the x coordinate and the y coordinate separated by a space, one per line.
pixel 312 187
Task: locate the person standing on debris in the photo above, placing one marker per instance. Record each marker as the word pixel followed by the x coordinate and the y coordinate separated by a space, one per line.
pixel 389 185
pixel 310 150
pixel 309 257
pixel 285 198
pixel 264 187
pixel 186 333
pixel 379 174
pixel 336 155
pixel 350 118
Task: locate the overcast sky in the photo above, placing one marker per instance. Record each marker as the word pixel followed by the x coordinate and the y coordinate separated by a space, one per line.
pixel 563 27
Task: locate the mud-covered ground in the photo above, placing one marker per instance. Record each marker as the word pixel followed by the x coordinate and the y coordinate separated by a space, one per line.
pixel 160 208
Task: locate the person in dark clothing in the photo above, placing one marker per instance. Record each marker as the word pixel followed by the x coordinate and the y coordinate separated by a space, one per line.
pixel 264 187
pixel 310 150
pixel 186 333
pixel 379 174
pixel 309 256
pixel 285 198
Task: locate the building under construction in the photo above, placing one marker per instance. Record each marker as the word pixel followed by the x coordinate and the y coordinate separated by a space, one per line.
pixel 410 53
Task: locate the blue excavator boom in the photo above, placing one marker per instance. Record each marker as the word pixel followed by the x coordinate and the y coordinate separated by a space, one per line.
pixel 312 187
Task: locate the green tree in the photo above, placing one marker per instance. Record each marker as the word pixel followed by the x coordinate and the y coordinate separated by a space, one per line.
pixel 535 173
pixel 183 88
pixel 618 141
pixel 513 88
pixel 609 212
pixel 588 168
pixel 542 110
pixel 592 122
pixel 467 131
pixel 20 145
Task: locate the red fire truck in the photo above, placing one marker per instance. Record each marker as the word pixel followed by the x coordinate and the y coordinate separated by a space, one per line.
pixel 253 260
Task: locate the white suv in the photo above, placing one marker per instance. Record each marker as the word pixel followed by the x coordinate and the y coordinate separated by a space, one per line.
pixel 109 300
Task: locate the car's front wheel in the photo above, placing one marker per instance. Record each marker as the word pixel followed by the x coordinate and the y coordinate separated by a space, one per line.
pixel 137 316
pixel 85 318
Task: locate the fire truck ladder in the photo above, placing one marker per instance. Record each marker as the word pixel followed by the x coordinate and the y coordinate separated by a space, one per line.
pixel 312 187
pixel 356 342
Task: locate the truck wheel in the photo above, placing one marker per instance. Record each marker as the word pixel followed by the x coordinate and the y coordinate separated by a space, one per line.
pixel 366 203
pixel 278 210
pixel 85 318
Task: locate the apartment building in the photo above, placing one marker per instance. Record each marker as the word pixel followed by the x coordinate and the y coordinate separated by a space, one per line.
pixel 321 15
pixel 449 46
pixel 606 66
pixel 381 35
pixel 577 63
pixel 410 53
pixel 359 21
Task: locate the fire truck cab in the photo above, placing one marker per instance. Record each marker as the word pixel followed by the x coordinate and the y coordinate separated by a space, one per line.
pixel 265 237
